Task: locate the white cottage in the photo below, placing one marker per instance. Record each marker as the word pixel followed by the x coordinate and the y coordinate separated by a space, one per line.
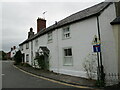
pixel 13 52
pixel 69 41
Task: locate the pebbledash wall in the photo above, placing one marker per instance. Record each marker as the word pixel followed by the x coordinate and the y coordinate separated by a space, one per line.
pixel 80 41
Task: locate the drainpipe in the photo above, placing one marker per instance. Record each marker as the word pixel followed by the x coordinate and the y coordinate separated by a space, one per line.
pixel 102 74
pixel 57 50
pixel 98 27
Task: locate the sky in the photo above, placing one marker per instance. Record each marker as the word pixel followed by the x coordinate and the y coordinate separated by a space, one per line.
pixel 17 17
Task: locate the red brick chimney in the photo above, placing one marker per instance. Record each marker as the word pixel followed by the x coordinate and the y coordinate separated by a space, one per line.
pixel 41 24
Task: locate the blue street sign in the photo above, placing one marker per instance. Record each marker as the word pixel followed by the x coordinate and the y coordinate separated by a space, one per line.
pixel 96 48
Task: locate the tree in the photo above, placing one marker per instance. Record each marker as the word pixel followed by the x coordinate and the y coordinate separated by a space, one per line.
pixel 2 55
pixel 40 60
pixel 90 65
pixel 18 57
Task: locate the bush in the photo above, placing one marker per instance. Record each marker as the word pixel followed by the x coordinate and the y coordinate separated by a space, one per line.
pixel 26 65
pixel 18 57
pixel 41 61
pixel 21 64
pixel 100 83
pixel 90 66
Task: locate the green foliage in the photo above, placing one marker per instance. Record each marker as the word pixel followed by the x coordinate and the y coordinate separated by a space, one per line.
pixel 90 66
pixel 100 83
pixel 18 57
pixel 21 64
pixel 41 61
pixel 3 55
pixel 26 65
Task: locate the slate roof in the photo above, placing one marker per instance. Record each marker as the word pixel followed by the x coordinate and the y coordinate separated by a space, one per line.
pixel 116 21
pixel 84 14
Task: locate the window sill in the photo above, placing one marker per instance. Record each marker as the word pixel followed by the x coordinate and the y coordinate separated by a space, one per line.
pixel 66 38
pixel 67 64
pixel 49 42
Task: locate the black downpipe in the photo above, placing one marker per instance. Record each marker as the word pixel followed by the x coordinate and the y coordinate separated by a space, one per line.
pixel 99 38
pixel 102 74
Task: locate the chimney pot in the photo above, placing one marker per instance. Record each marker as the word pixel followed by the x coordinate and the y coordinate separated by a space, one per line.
pixel 14 47
pixel 30 33
pixel 11 48
pixel 56 22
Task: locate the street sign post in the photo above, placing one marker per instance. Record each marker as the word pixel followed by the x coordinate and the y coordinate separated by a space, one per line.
pixel 96 48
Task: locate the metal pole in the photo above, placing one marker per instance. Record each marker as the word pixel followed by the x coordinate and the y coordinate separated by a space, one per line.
pixel 102 74
pixel 98 71
pixel 99 39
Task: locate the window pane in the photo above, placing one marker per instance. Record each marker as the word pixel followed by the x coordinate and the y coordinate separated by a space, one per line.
pixel 27 58
pixel 66 32
pixel 69 52
pixel 68 61
pixel 50 36
pixel 65 52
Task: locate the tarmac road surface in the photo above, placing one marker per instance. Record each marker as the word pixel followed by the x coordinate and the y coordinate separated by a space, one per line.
pixel 13 78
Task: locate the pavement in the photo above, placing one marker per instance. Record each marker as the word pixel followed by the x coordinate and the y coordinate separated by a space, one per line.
pixel 60 77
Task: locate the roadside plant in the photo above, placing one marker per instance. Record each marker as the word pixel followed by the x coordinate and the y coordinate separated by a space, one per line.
pixel 18 57
pixel 26 65
pixel 40 60
pixel 90 66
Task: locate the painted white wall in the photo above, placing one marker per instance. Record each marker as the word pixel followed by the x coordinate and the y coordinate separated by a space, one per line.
pixel 108 47
pixel 82 34
pixel 13 52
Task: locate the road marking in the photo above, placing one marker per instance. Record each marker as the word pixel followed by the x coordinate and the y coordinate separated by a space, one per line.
pixel 77 86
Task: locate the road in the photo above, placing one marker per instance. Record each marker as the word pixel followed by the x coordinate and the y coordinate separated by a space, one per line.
pixel 13 78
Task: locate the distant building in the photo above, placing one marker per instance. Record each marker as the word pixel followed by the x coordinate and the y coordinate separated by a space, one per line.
pixel 13 51
pixel 69 41
pixel 8 55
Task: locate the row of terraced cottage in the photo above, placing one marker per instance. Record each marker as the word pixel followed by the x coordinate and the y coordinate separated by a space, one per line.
pixel 68 42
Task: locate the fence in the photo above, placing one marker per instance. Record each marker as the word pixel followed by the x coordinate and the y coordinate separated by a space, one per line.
pixel 112 78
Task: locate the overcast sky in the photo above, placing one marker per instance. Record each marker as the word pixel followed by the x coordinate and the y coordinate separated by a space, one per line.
pixel 18 17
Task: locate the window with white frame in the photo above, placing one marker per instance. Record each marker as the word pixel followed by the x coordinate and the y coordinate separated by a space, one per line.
pixel 68 56
pixel 66 32
pixel 27 57
pixel 49 37
pixel 27 45
pixel 36 42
